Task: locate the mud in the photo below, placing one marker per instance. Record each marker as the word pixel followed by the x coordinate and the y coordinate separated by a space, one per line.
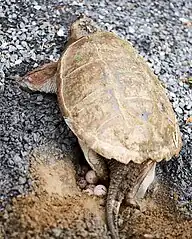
pixel 57 208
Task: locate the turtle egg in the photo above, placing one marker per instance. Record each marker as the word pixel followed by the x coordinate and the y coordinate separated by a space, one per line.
pixel 82 182
pixel 89 189
pixel 100 190
pixel 90 186
pixel 91 177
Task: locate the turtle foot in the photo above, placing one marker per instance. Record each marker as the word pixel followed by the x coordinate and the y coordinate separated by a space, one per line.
pixel 133 203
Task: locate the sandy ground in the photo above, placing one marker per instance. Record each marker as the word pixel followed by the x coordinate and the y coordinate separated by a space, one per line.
pixel 56 208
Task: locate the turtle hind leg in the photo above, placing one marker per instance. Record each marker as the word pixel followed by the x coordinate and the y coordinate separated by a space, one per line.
pixel 96 161
pixel 126 181
pixel 41 79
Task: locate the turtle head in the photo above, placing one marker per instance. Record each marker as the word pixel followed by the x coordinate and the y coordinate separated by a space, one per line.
pixel 81 27
pixel 41 79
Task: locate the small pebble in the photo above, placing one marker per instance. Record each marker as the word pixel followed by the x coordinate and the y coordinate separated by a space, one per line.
pixel 100 190
pixel 17 62
pixel 91 177
pixel 60 32
pixel 37 7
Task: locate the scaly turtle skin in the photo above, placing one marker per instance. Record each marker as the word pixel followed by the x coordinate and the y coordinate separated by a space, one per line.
pixel 115 106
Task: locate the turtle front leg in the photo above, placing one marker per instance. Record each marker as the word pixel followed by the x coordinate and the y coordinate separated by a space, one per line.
pixel 41 79
pixel 96 161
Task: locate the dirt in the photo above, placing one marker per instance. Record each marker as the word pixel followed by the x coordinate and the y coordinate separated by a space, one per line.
pixel 56 208
pixel 159 218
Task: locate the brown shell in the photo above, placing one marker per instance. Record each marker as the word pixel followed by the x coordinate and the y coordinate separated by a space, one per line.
pixel 114 103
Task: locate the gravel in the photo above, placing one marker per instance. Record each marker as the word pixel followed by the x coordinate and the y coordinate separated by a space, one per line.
pixel 34 32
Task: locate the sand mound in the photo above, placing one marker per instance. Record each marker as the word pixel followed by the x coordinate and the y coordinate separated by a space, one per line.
pixel 56 207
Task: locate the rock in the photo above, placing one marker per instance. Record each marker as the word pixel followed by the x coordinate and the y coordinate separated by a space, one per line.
pixel 60 32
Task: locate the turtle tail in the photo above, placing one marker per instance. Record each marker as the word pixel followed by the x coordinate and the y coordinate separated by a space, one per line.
pixel 115 195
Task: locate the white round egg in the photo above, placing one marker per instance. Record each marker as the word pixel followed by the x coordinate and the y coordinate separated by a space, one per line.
pixel 91 177
pixel 100 190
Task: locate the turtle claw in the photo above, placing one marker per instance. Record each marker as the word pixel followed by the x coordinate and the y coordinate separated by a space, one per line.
pixel 133 203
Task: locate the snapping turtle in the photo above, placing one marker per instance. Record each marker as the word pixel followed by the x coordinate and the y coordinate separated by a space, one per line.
pixel 115 106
